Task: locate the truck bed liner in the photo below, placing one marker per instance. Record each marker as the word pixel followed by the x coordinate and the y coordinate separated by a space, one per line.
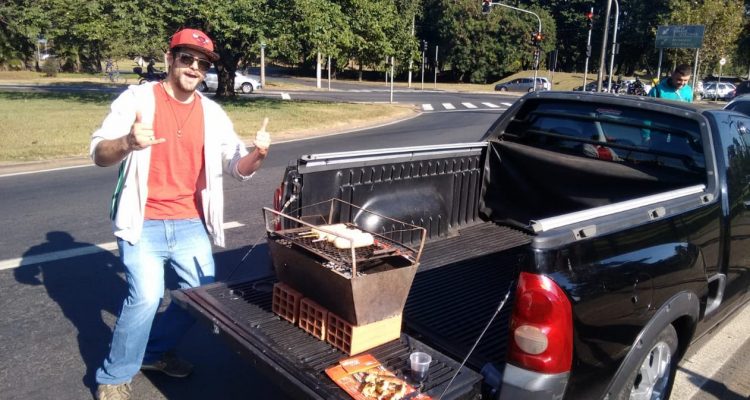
pixel 466 267
pixel 242 313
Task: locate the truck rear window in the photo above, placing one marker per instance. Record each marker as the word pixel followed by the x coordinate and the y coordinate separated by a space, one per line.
pixel 610 132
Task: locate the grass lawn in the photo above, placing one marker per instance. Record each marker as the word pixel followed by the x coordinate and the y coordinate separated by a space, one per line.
pixel 38 126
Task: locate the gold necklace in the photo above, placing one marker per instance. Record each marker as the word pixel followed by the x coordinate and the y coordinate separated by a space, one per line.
pixel 174 114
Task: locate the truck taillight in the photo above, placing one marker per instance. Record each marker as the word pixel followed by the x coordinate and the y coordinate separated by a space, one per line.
pixel 541 329
pixel 277 198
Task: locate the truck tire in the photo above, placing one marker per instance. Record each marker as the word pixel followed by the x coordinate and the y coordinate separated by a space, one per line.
pixel 654 375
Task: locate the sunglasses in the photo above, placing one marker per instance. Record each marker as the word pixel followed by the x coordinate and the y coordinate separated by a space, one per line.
pixel 189 59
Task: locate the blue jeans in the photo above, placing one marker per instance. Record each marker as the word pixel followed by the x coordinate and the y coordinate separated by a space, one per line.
pixel 181 244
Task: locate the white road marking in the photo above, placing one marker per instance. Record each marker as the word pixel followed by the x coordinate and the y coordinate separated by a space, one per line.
pixel 427 107
pixel 47 170
pixel 285 96
pixel 469 105
pixel 76 252
pixel 449 106
pixel 506 104
pixel 490 105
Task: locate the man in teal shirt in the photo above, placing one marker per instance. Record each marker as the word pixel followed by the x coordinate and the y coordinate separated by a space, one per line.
pixel 675 87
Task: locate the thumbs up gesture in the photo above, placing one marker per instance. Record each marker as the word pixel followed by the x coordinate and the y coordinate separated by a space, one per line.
pixel 142 136
pixel 262 138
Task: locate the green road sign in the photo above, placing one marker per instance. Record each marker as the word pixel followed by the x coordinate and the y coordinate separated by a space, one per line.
pixel 679 37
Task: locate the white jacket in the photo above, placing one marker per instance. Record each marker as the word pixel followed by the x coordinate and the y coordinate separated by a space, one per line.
pixel 222 151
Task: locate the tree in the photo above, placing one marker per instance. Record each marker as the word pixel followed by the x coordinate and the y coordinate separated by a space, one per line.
pixel 236 28
pixel 481 48
pixel 723 21
pixel 17 34
pixel 314 26
pixel 376 29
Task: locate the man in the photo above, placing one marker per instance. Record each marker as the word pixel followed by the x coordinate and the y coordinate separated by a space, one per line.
pixel 172 145
pixel 151 70
pixel 675 87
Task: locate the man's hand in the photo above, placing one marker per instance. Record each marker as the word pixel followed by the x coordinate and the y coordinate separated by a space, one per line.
pixel 262 139
pixel 142 136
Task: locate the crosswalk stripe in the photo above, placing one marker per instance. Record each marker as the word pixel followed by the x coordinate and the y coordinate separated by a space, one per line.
pixel 427 107
pixel 506 104
pixel 285 96
pixel 449 106
pixel 469 105
pixel 490 105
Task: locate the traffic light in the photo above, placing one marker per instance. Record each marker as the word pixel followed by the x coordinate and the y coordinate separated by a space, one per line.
pixel 486 6
pixel 424 45
pixel 589 19
pixel 536 38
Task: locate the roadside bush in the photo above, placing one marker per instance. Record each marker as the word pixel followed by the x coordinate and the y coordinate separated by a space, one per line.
pixel 15 65
pixel 50 67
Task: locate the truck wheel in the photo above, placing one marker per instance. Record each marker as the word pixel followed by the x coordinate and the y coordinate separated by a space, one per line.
pixel 655 373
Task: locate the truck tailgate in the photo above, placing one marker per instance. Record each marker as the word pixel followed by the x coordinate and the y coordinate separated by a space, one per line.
pixel 295 360
pixel 468 266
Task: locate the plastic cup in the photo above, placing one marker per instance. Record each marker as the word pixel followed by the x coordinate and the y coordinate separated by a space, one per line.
pixel 420 364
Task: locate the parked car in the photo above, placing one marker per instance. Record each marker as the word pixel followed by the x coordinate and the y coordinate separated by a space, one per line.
pixel 742 88
pixel 590 87
pixel 523 85
pixel 242 83
pixel 719 90
pixel 740 104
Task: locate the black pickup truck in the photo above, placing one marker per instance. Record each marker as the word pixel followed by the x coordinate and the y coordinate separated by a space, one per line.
pixel 619 225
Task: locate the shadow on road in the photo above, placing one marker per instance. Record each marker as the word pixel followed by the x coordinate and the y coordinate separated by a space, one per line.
pixel 84 293
pixel 88 291
pixel 711 388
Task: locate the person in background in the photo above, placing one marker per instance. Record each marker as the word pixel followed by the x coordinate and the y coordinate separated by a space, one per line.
pixel 151 70
pixel 172 145
pixel 675 86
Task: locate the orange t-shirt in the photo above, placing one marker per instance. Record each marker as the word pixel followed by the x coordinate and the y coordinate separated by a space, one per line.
pixel 176 172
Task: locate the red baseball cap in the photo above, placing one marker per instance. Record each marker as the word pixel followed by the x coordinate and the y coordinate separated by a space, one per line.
pixel 196 40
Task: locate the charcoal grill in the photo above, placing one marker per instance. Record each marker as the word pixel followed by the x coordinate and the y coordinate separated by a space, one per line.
pixel 359 284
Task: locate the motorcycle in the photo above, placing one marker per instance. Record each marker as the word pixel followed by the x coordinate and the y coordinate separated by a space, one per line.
pixel 637 88
pixel 144 77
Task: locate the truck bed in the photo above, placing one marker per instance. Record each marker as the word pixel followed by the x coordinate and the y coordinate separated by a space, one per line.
pixel 433 320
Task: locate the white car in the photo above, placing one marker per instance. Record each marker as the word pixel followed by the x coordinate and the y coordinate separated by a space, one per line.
pixel 719 90
pixel 242 83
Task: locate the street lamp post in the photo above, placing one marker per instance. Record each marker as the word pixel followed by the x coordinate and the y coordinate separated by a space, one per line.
pixel 263 65
pixel 614 47
pixel 536 52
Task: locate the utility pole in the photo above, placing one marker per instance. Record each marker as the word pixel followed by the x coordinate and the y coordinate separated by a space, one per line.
pixel 436 65
pixel 424 49
pixel 603 55
pixel 614 47
pixel 411 62
pixel 263 65
pixel 393 61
